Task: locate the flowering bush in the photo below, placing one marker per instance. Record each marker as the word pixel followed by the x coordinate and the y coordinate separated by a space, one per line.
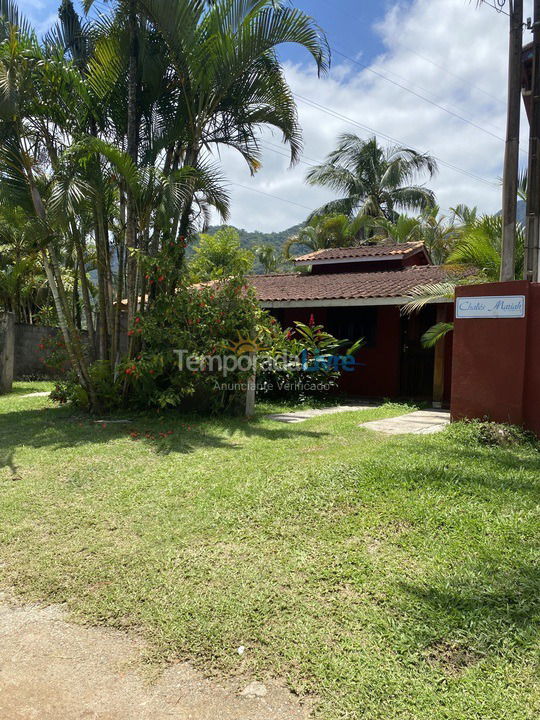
pixel 181 335
pixel 198 321
pixel 53 354
pixel 321 360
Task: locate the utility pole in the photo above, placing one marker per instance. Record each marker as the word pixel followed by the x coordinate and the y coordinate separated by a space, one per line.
pixel 511 155
pixel 533 181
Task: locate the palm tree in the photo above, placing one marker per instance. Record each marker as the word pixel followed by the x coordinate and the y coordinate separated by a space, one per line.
pixel 373 180
pixel 476 257
pixel 328 231
pixel 401 230
pixel 268 258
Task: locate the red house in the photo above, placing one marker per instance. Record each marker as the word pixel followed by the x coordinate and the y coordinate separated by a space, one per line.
pixel 359 292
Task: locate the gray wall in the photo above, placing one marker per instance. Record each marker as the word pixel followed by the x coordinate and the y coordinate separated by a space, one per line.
pixel 28 355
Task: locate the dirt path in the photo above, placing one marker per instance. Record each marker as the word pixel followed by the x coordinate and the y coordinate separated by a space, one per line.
pixel 52 669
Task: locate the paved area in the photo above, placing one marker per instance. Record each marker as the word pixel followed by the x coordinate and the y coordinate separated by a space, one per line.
pixel 37 394
pixel 51 670
pixel 421 422
pixel 303 415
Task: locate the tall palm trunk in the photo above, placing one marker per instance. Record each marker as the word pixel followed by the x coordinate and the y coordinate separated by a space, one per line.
pixel 103 300
pixel 72 337
pixel 133 152
pixel 85 290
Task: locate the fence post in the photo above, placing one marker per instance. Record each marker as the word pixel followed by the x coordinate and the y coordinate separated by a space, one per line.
pixel 7 351
pixel 251 388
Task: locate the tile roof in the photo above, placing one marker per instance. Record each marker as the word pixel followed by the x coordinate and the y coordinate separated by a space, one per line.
pixel 345 286
pixel 362 251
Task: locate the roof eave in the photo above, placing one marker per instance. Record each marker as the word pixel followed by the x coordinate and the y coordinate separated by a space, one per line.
pixel 344 302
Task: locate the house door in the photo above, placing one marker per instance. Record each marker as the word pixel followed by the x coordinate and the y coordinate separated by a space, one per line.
pixel 417 363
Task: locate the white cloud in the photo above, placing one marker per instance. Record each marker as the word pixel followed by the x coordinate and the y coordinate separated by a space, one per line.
pixel 469 43
pixel 42 15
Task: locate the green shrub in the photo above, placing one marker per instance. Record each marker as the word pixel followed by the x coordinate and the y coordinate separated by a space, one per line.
pixel 199 320
pixel 478 432
pixel 312 344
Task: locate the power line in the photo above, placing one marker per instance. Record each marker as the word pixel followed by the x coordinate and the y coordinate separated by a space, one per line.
pixel 442 67
pixel 420 96
pixel 447 104
pixel 371 130
pixel 267 145
pixel 455 75
pixel 497 6
pixel 276 197
pixel 305 160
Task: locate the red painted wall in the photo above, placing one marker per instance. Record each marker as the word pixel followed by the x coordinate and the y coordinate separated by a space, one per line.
pixel 496 362
pixel 531 394
pixel 379 375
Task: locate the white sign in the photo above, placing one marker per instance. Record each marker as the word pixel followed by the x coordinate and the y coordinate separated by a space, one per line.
pixel 495 306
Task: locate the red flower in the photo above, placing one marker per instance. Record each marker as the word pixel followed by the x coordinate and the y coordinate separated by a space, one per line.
pixel 131 332
pixel 312 320
pixel 137 319
pixel 151 372
pixel 161 278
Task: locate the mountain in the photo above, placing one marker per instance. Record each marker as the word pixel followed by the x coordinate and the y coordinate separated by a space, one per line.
pixel 521 212
pixel 251 240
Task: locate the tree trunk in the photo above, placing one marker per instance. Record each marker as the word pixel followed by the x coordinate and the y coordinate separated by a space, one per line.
pixel 71 336
pixel 133 152
pixel 85 290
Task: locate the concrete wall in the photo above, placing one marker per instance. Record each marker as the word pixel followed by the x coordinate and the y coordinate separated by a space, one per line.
pixel 29 358
pixel 7 342
pixel 496 361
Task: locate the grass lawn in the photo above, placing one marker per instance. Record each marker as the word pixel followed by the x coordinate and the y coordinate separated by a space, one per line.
pixel 390 577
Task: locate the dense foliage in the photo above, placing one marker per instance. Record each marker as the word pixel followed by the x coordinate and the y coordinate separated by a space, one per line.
pixel 220 256
pixel 108 129
pixel 311 361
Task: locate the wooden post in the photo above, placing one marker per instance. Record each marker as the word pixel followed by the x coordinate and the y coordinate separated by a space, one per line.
pixel 533 182
pixel 438 372
pixel 7 351
pixel 511 156
pixel 251 389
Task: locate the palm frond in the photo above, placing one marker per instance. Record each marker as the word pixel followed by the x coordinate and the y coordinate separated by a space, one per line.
pixel 429 293
pixel 436 333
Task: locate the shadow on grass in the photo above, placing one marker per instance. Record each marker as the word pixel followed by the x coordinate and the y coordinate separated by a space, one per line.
pixel 59 428
pixel 491 609
pixel 454 466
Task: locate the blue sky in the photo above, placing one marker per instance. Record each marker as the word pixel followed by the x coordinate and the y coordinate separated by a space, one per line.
pixel 426 74
pixel 349 21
